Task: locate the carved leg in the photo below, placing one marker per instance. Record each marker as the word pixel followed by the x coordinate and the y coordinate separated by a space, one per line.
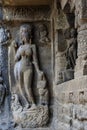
pixel 71 57
pixel 21 86
pixel 28 82
pixel 16 71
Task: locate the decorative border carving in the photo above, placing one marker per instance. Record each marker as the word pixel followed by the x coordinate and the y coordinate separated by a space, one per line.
pixel 26 13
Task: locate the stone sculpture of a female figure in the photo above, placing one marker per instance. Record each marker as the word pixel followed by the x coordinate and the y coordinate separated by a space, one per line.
pixel 25 57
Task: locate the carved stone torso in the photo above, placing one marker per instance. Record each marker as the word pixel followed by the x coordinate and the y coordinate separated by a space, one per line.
pixel 24 53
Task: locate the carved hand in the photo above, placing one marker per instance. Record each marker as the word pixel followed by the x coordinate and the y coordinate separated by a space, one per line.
pixel 40 75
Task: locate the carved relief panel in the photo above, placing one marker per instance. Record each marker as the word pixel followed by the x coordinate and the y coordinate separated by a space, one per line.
pixel 65 43
pixel 30 95
pixel 26 13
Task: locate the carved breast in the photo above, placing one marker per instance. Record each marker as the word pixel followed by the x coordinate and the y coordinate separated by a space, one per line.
pixel 25 62
pixel 25 50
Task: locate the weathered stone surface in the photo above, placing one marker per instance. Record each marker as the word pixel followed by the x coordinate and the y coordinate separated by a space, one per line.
pixel 48 89
pixel 32 118
pixel 84 9
pixel 25 111
pixel 26 13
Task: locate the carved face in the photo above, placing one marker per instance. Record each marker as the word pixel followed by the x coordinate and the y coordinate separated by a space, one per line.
pixel 43 31
pixel 25 33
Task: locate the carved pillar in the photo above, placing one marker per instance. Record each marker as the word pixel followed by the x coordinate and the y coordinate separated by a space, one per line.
pixel 81 24
pixel 4 78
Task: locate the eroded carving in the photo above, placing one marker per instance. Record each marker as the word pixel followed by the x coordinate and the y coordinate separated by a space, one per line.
pixel 71 53
pixel 42 89
pixel 26 13
pixel 82 49
pixel 25 110
pixel 78 13
pixel 43 33
pixel 30 118
pixel 5 37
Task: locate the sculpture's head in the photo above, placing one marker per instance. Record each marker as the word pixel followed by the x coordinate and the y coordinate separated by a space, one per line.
pixel 43 30
pixel 25 33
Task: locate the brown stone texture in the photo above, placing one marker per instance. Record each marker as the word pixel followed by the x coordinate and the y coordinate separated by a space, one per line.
pixel 43 65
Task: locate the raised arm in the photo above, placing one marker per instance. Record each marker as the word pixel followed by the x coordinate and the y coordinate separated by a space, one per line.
pixel 17 54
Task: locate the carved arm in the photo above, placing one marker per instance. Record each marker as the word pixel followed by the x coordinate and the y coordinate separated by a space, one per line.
pixel 35 60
